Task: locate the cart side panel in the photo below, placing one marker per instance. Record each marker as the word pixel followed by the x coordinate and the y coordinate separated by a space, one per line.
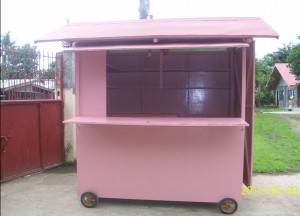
pixel 250 103
pixel 91 83
pixel 198 164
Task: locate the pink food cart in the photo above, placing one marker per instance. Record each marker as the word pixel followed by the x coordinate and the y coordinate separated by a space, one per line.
pixel 164 108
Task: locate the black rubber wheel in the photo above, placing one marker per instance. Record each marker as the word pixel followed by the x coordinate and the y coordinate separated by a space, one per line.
pixel 228 206
pixel 89 200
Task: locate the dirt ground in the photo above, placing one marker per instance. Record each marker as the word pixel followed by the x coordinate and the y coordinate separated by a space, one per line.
pixel 54 193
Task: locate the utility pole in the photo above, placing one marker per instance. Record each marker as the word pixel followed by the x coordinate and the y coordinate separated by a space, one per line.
pixel 144 9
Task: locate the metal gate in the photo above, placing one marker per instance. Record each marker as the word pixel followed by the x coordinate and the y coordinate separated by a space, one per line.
pixel 31 137
pixel 31 114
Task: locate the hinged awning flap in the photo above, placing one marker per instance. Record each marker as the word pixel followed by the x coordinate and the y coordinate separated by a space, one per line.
pixel 156 46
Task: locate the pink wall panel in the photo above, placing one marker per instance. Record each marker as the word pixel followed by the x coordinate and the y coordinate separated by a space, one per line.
pixel 204 79
pixel 153 62
pixel 92 83
pixel 213 60
pixel 124 101
pixel 125 61
pixel 209 103
pixel 166 101
pixel 161 163
pixel 175 61
pixel 125 79
pixel 174 79
pixel 171 79
pixel 133 88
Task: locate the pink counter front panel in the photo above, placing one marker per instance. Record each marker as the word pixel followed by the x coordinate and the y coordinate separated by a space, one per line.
pixel 197 164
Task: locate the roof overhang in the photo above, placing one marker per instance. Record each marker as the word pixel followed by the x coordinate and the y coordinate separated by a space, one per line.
pixel 157 29
pixel 273 79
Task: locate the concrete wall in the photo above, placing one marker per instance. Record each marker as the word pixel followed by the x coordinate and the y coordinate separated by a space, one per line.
pixel 69 104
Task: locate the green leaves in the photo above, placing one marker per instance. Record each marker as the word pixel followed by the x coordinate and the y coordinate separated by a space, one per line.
pixel 263 94
pixel 18 62
pixel 280 56
pixel 294 59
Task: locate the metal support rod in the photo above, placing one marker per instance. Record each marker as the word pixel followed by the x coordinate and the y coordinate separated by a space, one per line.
pixel 161 68
pixel 244 76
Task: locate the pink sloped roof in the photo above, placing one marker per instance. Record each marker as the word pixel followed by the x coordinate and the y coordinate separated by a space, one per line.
pixel 285 72
pixel 163 28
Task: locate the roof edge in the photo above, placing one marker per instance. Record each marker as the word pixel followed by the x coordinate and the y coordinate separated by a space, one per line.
pixel 212 27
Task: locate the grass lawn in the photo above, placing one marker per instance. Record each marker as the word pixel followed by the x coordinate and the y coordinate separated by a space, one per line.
pixel 276 143
pixel 268 109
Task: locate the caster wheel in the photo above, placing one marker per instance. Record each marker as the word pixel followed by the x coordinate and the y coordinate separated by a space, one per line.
pixel 228 206
pixel 89 200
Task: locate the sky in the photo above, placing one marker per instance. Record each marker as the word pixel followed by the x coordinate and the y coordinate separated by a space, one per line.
pixel 27 20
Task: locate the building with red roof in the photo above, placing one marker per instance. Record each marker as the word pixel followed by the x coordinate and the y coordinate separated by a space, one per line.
pixel 285 85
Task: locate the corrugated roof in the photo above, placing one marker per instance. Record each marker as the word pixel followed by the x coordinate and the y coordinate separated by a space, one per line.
pixel 163 28
pixel 285 72
pixel 282 70
pixel 8 84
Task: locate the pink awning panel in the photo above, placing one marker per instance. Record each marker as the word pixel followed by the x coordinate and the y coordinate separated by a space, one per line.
pixel 157 46
pixel 163 28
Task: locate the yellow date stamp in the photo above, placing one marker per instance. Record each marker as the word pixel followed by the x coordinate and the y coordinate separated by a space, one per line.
pixel 273 190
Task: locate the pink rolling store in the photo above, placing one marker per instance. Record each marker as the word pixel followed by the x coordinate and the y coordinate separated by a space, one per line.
pixel 164 108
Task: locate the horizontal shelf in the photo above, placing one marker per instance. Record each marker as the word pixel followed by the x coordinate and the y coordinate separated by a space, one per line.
pixel 159 121
pixel 171 70
pixel 186 69
pixel 167 88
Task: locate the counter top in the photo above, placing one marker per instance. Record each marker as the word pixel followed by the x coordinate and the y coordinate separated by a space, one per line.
pixel 159 121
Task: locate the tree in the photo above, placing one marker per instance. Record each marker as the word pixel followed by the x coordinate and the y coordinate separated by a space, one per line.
pixel 263 71
pixel 294 59
pixel 6 41
pixel 50 72
pixel 280 56
pixel 18 62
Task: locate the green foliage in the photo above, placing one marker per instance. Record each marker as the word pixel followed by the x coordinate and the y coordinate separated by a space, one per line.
pixel 6 41
pixel 18 62
pixel 50 72
pixel 280 56
pixel 294 59
pixel 263 94
pixel 276 147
